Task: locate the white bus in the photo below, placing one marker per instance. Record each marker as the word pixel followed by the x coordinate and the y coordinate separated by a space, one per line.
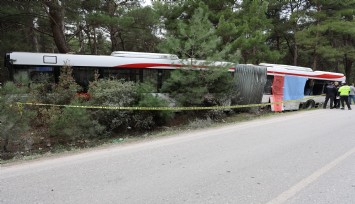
pixel 131 66
pixel 302 87
pixel 256 83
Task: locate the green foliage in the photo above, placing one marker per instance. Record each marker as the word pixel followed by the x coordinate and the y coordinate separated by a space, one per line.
pixel 74 123
pixel 194 88
pixel 64 92
pixel 126 94
pixel 253 31
pixel 41 91
pixel 14 120
pixel 112 93
pixel 195 39
pixel 20 85
pixel 329 39
pixel 139 27
pixel 108 92
pixel 44 116
pixel 158 117
pixel 11 88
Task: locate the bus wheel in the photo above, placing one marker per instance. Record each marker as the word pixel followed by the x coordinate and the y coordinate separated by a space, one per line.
pixel 309 104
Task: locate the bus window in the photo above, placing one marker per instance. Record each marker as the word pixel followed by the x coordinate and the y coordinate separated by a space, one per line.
pixel 40 74
pixel 268 85
pixel 150 76
pixel 308 87
pixel 318 87
pixel 156 77
pixel 83 76
pixel 134 75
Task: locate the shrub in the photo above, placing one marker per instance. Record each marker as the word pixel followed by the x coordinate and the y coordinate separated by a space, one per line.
pixel 74 123
pixel 14 120
pixel 158 117
pixel 200 88
pixel 195 88
pixel 20 85
pixel 41 90
pixel 118 93
pixel 64 92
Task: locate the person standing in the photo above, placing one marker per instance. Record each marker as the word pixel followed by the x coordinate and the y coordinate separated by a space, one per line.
pixel 344 91
pixel 337 97
pixel 352 93
pixel 330 93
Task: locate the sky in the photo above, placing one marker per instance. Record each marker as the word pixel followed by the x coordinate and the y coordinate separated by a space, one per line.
pixel 147 2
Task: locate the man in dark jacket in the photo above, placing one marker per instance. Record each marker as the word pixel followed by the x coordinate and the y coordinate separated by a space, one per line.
pixel 331 92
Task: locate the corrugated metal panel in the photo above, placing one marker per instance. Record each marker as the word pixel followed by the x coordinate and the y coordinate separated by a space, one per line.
pixel 249 84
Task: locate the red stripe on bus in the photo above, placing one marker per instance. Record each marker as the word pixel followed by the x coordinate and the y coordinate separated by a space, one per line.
pixel 146 65
pixel 155 65
pixel 324 76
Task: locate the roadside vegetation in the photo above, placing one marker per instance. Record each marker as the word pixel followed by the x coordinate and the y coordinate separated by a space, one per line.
pixel 27 130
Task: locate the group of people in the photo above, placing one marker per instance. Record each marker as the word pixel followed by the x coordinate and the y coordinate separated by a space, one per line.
pixel 338 94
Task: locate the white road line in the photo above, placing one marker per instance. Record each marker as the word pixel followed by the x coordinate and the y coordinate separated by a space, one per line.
pixel 283 197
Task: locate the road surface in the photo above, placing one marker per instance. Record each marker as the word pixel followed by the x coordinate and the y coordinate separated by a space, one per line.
pixel 295 158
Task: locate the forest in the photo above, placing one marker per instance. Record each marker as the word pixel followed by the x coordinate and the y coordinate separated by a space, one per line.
pixel 313 33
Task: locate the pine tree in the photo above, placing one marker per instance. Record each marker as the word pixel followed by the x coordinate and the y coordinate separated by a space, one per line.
pixel 253 30
pixel 330 35
pixel 197 39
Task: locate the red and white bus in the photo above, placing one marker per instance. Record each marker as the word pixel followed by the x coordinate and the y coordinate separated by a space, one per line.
pixel 132 66
pixel 311 84
pixel 156 68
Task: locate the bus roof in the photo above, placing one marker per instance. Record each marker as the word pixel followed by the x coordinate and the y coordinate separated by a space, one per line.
pixel 280 69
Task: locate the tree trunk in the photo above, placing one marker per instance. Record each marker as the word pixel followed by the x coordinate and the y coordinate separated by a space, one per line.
pixel 315 55
pixel 114 36
pixel 348 63
pixel 6 143
pixel 34 40
pixel 114 31
pixel 314 64
pixel 295 55
pixel 56 19
pixel 81 39
pixel 94 51
pixel 87 32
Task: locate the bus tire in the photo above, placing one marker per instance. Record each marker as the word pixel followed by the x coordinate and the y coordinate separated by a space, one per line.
pixel 309 104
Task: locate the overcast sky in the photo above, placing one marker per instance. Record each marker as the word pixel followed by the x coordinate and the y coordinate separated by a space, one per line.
pixel 147 2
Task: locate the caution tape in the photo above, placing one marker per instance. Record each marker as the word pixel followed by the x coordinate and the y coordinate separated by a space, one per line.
pixel 21 104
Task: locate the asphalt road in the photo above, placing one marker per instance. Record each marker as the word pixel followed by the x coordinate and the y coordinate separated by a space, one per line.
pixel 297 158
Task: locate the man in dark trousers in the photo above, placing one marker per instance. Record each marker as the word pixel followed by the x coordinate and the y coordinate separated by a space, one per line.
pixel 344 91
pixel 331 92
pixel 337 96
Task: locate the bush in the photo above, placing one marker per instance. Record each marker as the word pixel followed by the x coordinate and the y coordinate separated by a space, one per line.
pixel 119 93
pixel 158 118
pixel 195 88
pixel 14 120
pixel 200 88
pixel 74 123
pixel 20 85
pixel 64 92
pixel 41 90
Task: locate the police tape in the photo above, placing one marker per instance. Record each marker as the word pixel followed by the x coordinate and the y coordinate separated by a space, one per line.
pixel 21 104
